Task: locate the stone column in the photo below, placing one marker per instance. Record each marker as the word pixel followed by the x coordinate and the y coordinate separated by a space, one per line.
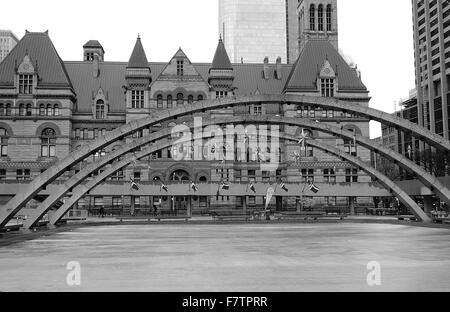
pixel 189 206
pixel 351 201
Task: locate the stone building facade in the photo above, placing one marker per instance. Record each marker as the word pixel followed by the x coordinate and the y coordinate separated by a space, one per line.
pixel 50 107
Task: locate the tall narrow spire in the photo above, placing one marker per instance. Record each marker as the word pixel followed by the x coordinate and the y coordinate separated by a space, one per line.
pixel 221 59
pixel 221 74
pixel 138 58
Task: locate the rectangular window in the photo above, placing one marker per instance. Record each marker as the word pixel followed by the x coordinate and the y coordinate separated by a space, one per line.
pixel 327 87
pixel 23 174
pixel 2 174
pixel 329 175
pixel 180 67
pixel 3 147
pixel 252 175
pixel 257 109
pixel 351 175
pixel 25 84
pixel 137 99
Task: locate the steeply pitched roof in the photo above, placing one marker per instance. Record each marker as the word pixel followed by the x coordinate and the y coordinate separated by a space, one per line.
pixel 305 70
pixel 40 48
pixel 92 44
pixel 138 58
pixel 221 59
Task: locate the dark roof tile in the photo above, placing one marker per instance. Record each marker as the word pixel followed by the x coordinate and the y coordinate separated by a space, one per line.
pixel 40 49
pixel 304 75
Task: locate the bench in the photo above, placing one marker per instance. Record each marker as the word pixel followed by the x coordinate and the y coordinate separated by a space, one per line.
pixel 407 217
pixel 232 217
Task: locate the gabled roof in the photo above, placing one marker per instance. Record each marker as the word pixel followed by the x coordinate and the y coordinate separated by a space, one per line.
pixel 171 68
pixel 42 52
pixel 221 59
pixel 138 58
pixel 304 74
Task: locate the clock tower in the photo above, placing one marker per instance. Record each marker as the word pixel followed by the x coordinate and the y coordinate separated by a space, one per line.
pixel 317 20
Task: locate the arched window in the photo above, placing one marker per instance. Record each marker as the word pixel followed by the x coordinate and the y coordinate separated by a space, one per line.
pixel 2 109
pixel 329 17
pixel 100 109
pixel 179 99
pixel 21 110
pixel 56 109
pixel 49 110
pixel 169 101
pixel 200 98
pixel 320 17
pixel 29 110
pixel 159 101
pixel 8 109
pixel 190 99
pixel 3 142
pixel 48 143
pixel 42 110
pixel 312 17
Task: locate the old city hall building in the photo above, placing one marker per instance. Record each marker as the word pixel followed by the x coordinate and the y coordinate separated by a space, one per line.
pixel 50 107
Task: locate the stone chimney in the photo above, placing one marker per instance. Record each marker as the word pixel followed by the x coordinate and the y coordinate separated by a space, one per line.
pixel 266 68
pixel 278 74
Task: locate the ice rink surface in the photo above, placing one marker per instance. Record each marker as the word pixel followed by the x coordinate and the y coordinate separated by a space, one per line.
pixel 237 257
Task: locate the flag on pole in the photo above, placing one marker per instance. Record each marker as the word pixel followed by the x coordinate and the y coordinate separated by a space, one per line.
pixel 164 187
pixel 269 196
pixel 194 187
pixel 225 186
pixel 252 187
pixel 312 187
pixel 133 184
pixel 284 187
pixel 303 137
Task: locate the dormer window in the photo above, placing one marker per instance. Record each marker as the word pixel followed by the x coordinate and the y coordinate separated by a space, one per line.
pixel 100 109
pixel 327 87
pixel 180 67
pixel 26 84
pixel 327 80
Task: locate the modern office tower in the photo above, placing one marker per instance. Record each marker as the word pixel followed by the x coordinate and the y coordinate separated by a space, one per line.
pixel 253 29
pixel 431 21
pixel 7 42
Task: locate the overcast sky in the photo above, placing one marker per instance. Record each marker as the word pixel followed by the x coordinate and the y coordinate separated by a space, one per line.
pixel 376 34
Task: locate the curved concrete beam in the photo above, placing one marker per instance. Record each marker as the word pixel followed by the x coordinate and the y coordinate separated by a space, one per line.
pixel 18 201
pixel 385 181
pixel 423 176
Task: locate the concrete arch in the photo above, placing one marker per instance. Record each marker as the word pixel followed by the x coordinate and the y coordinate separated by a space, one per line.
pixel 77 179
pixel 385 181
pixel 18 201
pixel 425 177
